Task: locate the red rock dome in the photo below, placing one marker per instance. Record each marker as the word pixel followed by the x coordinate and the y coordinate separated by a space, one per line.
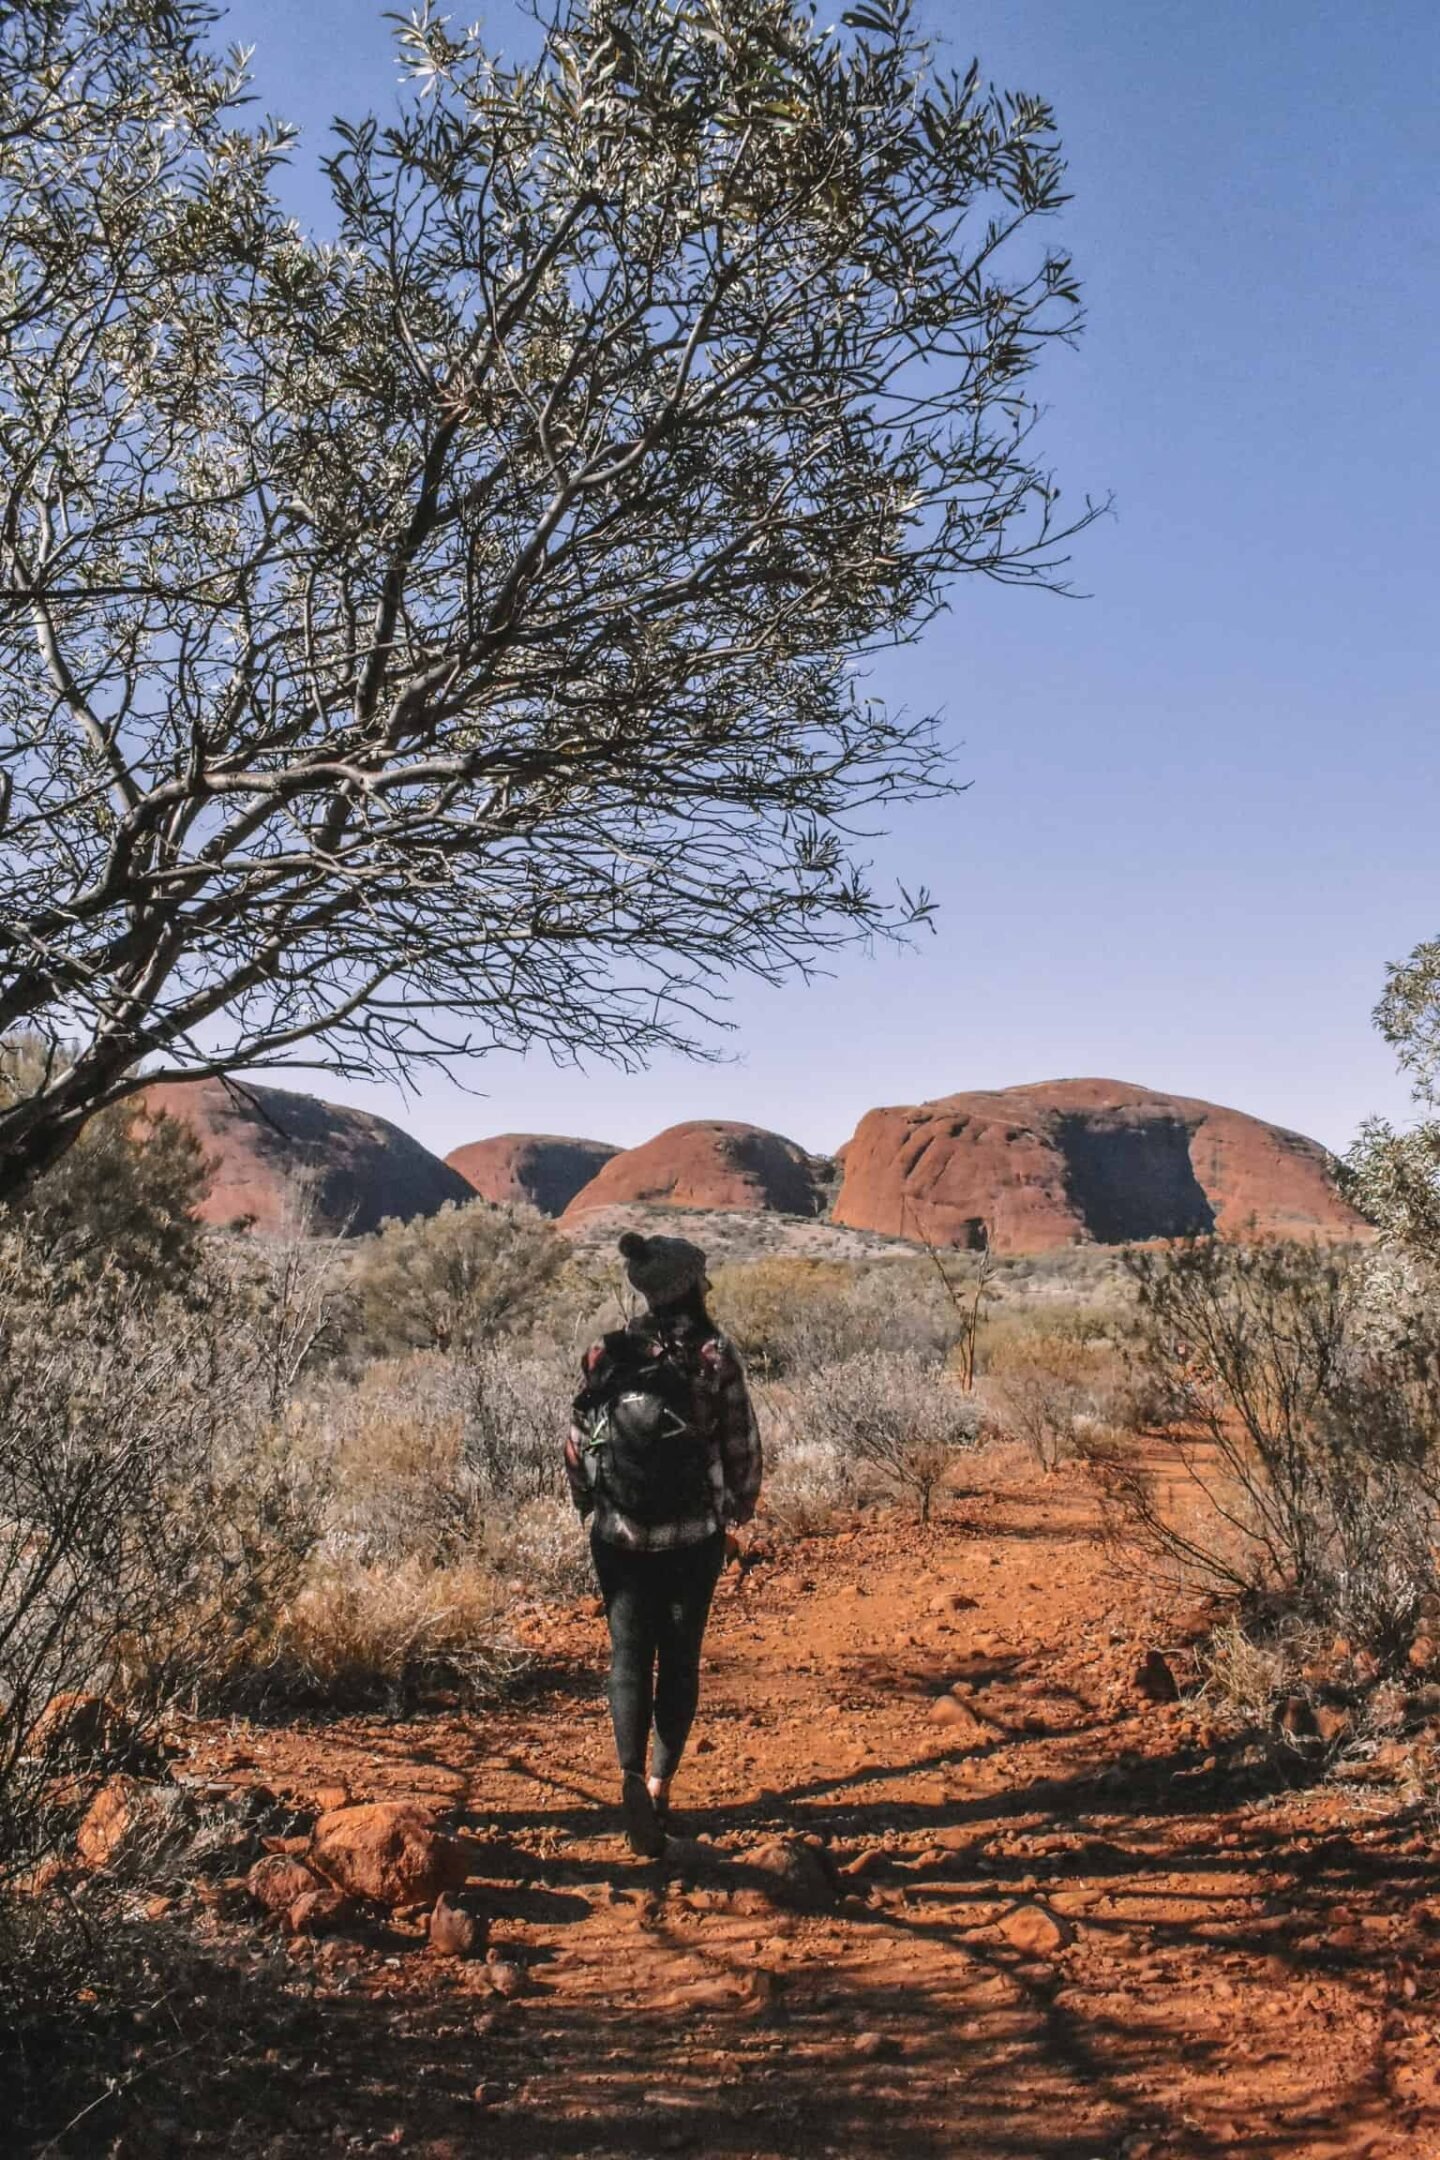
pixel 1072 1162
pixel 271 1148
pixel 540 1169
pixel 710 1164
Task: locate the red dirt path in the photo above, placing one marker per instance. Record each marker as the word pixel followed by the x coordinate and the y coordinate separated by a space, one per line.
pixel 1085 1931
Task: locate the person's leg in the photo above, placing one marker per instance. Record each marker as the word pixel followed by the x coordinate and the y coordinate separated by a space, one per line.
pixel 630 1614
pixel 692 1572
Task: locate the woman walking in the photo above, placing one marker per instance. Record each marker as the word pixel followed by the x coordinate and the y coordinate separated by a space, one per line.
pixel 664 1460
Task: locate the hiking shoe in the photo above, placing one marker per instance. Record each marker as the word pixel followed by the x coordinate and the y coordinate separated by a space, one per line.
pixel 643 1833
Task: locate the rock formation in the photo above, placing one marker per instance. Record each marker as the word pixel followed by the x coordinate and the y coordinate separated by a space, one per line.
pixel 711 1164
pixel 273 1149
pixel 536 1168
pixel 1075 1162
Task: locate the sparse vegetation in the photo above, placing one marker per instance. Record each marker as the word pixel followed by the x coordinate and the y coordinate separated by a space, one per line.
pixel 886 1417
pixel 119 1203
pixel 1058 1381
pixel 454 1280
pixel 1304 1425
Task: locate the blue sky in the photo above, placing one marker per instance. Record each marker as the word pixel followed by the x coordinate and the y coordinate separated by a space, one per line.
pixel 1203 798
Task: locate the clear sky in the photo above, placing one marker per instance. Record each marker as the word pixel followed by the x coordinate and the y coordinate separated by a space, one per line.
pixel 1203 802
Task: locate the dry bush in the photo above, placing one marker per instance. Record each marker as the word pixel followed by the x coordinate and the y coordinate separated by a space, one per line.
pixel 1243 1676
pixel 541 1550
pixel 448 1497
pixel 359 1633
pixel 889 1418
pixel 1305 1430
pixel 150 1517
pixel 774 1308
pixel 808 1484
pixel 788 1315
pixel 1053 1388
pixel 454 1280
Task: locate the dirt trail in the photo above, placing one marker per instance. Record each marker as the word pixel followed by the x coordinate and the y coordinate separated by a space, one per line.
pixel 1082 1930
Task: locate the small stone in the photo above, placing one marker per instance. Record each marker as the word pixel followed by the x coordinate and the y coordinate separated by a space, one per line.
pixel 1331 1723
pixel 453 1931
pixel 1155 1680
pixel 946 1711
pixel 802 1873
pixel 504 1975
pixel 874 2046
pixel 129 1822
pixel 388 1850
pixel 327 1798
pixel 319 1912
pixel 1422 1653
pixel 865 1864
pixel 1035 1930
pixel 1296 1717
pixel 279 1880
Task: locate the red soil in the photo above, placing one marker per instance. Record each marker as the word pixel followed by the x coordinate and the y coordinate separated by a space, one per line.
pixel 1076 1924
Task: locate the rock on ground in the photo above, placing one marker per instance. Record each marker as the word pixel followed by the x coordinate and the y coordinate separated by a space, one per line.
pixel 388 1850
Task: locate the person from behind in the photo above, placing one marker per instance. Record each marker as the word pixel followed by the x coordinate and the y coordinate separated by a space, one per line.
pixel 664 1461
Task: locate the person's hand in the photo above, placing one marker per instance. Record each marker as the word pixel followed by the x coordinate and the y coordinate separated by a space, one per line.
pixel 733 1548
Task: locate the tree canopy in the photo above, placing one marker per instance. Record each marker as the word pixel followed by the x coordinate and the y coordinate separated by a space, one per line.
pixel 1394 1177
pixel 452 635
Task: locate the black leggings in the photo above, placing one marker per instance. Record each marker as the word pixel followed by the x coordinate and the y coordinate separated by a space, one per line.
pixel 657 1604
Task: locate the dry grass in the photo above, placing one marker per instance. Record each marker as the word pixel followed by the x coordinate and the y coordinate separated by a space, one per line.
pixel 358 1634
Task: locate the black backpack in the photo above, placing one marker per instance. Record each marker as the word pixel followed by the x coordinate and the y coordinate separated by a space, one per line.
pixel 641 1430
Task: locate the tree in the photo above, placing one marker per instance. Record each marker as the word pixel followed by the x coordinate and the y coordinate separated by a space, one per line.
pixel 451 637
pixel 1394 1178
pixel 121 1202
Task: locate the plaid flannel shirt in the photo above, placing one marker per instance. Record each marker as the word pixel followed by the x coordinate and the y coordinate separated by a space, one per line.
pixel 736 1464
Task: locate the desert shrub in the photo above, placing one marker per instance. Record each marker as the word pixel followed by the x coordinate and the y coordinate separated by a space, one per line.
pixel 447 1489
pixel 540 1549
pixel 888 1416
pixel 516 1409
pixel 392 1441
pixel 776 1310
pixel 150 1518
pixel 1052 1387
pixel 430 1453
pixel 587 1295
pixel 787 1315
pixel 1305 1425
pixel 290 1298
pixel 121 1201
pixel 453 1280
pixel 807 1485
pixel 359 1633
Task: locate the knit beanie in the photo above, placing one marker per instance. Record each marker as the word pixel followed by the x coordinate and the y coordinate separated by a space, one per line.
pixel 662 1269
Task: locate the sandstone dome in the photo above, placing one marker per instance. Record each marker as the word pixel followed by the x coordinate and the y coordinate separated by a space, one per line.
pixel 1073 1162
pixel 710 1163
pixel 272 1149
pixel 542 1170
